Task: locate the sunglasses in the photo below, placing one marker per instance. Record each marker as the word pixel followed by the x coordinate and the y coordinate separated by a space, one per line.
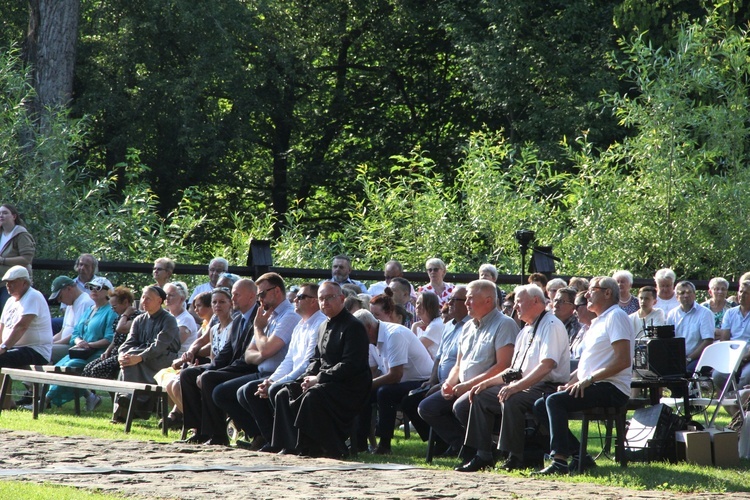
pixel 96 287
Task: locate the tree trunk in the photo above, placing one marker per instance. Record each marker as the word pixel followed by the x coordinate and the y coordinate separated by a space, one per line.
pixel 51 50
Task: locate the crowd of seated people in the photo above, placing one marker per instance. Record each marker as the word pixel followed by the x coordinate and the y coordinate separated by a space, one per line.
pixel 465 361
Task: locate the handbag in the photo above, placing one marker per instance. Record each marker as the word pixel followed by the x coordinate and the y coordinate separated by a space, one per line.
pixel 80 352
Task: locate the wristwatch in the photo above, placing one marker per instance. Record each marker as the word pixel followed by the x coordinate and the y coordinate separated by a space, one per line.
pixel 4 346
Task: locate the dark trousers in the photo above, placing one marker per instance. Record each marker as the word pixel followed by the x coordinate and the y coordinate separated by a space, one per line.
pixel 387 398
pixel 556 407
pixel 261 409
pixel 21 357
pixel 410 405
pixel 225 397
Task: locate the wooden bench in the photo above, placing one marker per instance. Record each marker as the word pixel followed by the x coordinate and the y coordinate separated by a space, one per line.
pixel 40 376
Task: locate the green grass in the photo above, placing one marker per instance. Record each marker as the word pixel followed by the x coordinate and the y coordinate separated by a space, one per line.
pixel 656 476
pixel 20 490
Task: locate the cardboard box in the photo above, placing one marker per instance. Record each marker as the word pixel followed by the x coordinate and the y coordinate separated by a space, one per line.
pixel 724 447
pixel 693 447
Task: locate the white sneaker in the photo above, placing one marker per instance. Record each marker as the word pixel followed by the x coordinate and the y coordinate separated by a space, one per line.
pixel 92 401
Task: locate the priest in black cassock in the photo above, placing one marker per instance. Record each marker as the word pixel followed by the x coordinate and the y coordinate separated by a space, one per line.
pixel 314 414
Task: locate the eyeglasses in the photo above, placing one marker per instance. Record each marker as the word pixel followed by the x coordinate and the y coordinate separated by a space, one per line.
pixel 433 269
pixel 262 295
pixel 158 269
pixel 560 301
pixel 95 287
pixel 222 289
pixel 456 299
pixel 580 305
pixel 302 296
pixel 328 298
pixel 598 288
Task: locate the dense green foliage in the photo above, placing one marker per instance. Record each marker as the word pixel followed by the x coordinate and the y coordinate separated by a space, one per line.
pixel 389 130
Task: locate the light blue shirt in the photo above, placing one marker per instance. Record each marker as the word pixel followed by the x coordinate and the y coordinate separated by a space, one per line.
pixel 694 325
pixel 281 324
pixel 448 351
pixel 738 326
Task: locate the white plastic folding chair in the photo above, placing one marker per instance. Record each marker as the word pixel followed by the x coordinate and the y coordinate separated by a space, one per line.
pixel 724 357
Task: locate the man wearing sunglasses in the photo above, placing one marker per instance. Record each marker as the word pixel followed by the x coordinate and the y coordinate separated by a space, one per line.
pixel 272 331
pixel 258 397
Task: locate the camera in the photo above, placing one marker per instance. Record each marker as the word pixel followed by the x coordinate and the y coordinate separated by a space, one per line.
pixel 512 374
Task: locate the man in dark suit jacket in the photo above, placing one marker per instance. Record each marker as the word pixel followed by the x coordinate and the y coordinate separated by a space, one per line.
pixel 198 382
pixel 314 413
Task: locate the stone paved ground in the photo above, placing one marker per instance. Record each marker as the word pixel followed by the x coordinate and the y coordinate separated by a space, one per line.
pixel 273 476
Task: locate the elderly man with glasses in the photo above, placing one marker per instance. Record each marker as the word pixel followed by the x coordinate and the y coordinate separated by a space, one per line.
pixel 564 308
pixel 314 414
pixel 602 378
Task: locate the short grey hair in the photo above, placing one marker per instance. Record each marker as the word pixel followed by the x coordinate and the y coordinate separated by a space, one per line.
pixel 489 268
pixel 220 260
pixel 485 286
pixel 366 318
pixel 556 283
pixel 665 273
pixel 718 281
pixel 181 287
pixel 624 274
pixel 610 284
pixel 435 262
pixel 531 290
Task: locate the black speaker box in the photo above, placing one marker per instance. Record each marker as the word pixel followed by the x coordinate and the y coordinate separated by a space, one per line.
pixel 657 357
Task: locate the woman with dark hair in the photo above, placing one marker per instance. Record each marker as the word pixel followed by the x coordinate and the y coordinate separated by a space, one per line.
pixel 17 246
pixel 429 328
pixel 383 307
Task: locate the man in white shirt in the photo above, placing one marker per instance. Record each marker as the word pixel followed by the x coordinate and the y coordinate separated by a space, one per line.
pixel 216 267
pixel 393 269
pixel 602 378
pixel 258 397
pixel 541 362
pixel 25 326
pixel 404 365
pixel 692 322
pixel 65 290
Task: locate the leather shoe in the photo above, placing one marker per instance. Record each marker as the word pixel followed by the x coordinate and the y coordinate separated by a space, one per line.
pixel 289 451
pixel 194 439
pixel 588 463
pixel 554 469
pixel 474 465
pixel 215 441
pixel 512 463
pixel 382 450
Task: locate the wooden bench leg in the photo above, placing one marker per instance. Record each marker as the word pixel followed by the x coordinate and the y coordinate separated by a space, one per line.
pixel 36 399
pixel 4 390
pixel 42 401
pixel 584 442
pixel 164 399
pixel 131 410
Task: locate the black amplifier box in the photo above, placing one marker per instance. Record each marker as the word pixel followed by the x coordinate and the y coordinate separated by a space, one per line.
pixel 655 357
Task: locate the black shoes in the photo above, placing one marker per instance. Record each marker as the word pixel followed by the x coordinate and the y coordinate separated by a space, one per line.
pixel 194 439
pixel 588 463
pixel 474 465
pixel 554 469
pixel 512 463
pixel 269 448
